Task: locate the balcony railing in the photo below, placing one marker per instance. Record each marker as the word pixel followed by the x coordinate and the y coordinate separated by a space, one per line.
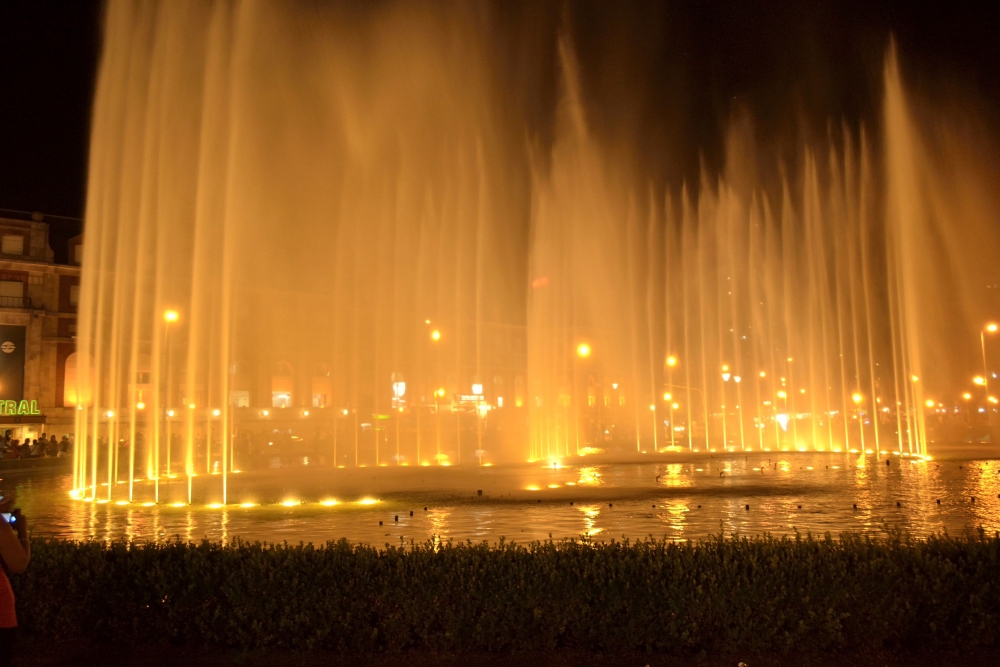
pixel 15 302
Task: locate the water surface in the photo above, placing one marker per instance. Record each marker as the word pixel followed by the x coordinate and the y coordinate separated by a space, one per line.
pixel 681 497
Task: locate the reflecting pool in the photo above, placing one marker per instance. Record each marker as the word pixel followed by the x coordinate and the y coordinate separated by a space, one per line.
pixel 678 497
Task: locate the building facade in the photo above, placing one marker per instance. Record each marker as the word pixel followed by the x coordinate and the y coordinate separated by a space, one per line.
pixel 38 303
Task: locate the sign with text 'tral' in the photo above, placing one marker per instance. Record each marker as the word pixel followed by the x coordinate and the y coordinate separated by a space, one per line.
pixel 15 408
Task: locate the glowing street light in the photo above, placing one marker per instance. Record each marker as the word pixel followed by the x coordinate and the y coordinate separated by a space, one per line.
pixel 671 361
pixel 967 396
pixel 110 413
pixel 440 392
pixel 436 335
pixel 782 394
pixel 763 374
pixel 992 328
pixel 652 407
pixel 216 412
pixel 979 380
pixel 170 316
pixel 736 378
pixel 170 413
pixel 726 375
pixel 929 402
pixel 583 350
pixel 140 406
pixel 857 398
pixel 477 389
pixel 667 396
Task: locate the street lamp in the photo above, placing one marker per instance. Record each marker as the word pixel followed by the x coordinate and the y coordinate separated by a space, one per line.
pixel 671 361
pixel 436 335
pixel 583 350
pixel 989 328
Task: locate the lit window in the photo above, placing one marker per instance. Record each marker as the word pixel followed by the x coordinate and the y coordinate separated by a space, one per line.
pixel 74 295
pixel 12 244
pixel 591 401
pixel 11 289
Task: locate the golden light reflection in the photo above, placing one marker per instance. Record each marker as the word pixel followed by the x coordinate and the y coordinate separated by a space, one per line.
pixel 589 476
pixel 590 515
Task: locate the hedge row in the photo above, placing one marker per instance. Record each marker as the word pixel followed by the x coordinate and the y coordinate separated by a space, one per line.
pixel 756 594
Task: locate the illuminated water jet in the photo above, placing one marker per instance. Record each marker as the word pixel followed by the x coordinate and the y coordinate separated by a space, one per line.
pixel 437 291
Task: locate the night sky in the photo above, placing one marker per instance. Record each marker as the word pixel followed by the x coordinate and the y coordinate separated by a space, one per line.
pixel 663 76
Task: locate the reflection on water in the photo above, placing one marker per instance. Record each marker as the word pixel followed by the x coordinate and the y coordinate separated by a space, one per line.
pixel 676 499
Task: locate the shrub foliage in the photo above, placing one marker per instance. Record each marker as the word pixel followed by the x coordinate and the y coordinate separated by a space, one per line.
pixel 755 594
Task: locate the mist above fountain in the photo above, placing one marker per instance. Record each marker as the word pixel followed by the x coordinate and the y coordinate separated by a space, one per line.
pixel 336 228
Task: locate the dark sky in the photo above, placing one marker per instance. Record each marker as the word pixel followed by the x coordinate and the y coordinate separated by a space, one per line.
pixel 662 75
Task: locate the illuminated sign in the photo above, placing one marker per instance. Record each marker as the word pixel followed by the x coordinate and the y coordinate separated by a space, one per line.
pixel 466 398
pixel 13 408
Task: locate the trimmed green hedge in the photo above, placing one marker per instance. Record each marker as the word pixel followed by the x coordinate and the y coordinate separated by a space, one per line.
pixel 759 594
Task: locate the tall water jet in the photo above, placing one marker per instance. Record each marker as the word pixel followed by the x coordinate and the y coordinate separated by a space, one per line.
pixel 353 238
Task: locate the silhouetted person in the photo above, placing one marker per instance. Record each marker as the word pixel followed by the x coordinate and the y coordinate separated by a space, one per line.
pixel 15 552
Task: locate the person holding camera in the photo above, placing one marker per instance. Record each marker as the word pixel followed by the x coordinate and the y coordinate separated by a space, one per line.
pixel 15 552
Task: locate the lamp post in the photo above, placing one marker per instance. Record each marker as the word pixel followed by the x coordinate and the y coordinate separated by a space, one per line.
pixel 398 392
pixel 668 399
pixel 989 328
pixel 169 317
pixel 858 399
pixel 725 378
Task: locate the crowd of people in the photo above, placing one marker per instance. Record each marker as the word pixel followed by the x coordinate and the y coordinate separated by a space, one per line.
pixel 35 448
